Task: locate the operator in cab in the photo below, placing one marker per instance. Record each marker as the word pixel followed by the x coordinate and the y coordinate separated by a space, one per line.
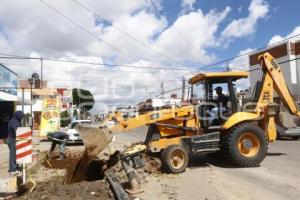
pixel 221 101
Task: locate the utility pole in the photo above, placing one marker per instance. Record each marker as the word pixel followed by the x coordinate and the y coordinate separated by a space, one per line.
pixel 228 69
pixel 162 93
pixel 41 86
pixel 31 82
pixel 183 89
pixel 23 100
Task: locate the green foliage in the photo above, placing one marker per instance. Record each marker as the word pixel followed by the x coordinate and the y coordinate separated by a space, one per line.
pixel 64 118
pixel 83 99
pixel 75 114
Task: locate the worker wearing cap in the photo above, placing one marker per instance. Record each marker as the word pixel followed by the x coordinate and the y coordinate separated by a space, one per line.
pixel 61 139
pixel 221 99
pixel 221 102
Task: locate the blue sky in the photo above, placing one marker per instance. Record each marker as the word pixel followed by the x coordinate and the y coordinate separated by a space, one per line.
pixel 282 18
pixel 217 29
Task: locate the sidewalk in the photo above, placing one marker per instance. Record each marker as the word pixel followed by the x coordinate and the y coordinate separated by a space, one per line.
pixel 7 183
pixel 4 160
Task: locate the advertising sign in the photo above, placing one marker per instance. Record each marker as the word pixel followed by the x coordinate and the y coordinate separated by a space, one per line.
pixel 50 118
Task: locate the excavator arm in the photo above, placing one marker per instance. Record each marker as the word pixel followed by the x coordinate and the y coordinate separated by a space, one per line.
pixel 273 79
pixel 274 72
pixel 149 118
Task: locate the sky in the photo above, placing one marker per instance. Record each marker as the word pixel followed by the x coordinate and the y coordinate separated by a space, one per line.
pixel 173 34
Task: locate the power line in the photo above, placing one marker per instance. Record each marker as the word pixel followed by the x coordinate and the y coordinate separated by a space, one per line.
pixel 101 70
pixel 167 82
pixel 85 30
pixel 123 32
pixel 159 12
pixel 7 56
pixel 258 68
pixel 261 48
pixel 250 70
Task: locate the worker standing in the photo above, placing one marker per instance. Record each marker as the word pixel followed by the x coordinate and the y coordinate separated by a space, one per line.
pixel 13 125
pixel 58 138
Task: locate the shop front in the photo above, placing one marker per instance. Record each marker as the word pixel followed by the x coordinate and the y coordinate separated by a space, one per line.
pixel 8 98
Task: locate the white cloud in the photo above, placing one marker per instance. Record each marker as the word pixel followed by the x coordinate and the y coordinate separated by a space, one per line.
pixel 27 31
pixel 243 27
pixel 278 38
pixel 199 29
pixel 42 30
pixel 132 24
pixel 241 64
pixel 4 46
pixel 240 9
pixel 115 9
pixel 188 4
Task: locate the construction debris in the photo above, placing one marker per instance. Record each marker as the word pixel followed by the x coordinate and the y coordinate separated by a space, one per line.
pixel 128 169
pixel 95 140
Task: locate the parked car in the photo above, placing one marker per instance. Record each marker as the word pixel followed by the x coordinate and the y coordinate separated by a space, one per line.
pixel 74 136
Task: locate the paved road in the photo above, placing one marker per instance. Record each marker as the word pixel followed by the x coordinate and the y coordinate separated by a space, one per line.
pixel 278 177
pixel 207 178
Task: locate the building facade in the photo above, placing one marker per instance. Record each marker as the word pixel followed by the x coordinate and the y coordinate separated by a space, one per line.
pixel 8 97
pixel 287 55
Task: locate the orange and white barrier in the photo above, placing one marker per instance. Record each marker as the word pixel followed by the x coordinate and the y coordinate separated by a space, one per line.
pixel 24 145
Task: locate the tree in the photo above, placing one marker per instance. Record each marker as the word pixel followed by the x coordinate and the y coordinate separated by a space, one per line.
pixel 64 118
pixel 83 99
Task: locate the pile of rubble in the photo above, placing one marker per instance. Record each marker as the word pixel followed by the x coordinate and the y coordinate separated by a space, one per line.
pixel 84 177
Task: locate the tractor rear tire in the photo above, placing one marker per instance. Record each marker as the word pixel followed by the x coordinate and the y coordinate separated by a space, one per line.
pixel 245 145
pixel 174 159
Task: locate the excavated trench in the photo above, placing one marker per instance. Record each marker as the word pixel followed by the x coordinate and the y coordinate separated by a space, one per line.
pixel 84 171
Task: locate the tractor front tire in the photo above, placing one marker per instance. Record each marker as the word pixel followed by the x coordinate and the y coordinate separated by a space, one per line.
pixel 174 159
pixel 245 145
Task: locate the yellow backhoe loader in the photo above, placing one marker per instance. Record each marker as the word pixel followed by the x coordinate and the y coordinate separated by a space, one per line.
pixel 241 134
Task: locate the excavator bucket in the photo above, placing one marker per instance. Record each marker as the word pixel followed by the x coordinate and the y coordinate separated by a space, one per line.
pixel 95 138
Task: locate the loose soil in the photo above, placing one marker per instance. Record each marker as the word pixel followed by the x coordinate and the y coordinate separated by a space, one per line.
pixel 152 164
pixel 53 189
pixel 81 167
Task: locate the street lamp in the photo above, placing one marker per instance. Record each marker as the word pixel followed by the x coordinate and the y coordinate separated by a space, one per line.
pixel 31 81
pixel 34 77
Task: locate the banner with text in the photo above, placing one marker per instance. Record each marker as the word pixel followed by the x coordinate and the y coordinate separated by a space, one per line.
pixel 50 118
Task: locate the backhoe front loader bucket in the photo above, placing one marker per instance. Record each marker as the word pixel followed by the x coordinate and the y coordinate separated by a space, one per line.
pixel 95 140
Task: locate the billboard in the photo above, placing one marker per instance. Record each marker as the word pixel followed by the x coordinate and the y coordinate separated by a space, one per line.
pixel 8 84
pixel 50 118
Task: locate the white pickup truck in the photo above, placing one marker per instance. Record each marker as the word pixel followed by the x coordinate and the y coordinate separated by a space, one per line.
pixel 74 136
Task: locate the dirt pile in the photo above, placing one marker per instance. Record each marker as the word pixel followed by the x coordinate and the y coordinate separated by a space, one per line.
pixel 88 165
pixel 79 166
pixel 152 164
pixel 53 189
pixel 95 140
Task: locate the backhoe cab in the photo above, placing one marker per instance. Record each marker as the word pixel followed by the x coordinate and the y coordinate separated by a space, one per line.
pixel 215 96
